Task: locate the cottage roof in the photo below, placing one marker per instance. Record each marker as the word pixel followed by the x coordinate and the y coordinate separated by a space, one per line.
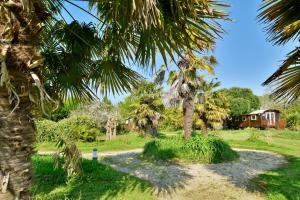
pixel 256 112
pixel 261 111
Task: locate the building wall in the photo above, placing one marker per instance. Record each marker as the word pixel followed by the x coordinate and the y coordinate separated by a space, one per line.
pixel 261 121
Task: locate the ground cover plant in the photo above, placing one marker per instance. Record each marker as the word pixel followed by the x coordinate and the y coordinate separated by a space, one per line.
pixel 97 182
pixel 196 149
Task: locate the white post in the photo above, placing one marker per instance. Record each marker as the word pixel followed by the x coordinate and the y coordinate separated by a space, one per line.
pixel 94 154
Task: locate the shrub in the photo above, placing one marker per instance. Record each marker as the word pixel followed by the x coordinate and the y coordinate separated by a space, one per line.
pixel 86 134
pixel 46 131
pixel 197 149
pixel 293 120
pixel 83 127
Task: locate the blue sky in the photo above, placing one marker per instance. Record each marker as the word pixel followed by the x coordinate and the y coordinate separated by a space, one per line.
pixel 245 57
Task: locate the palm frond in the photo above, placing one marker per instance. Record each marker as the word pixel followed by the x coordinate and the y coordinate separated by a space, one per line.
pixel 292 59
pixel 114 77
pixel 168 27
pixel 286 79
pixel 75 65
pixel 283 19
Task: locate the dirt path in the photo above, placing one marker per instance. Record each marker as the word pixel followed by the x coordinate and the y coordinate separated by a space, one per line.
pixel 198 181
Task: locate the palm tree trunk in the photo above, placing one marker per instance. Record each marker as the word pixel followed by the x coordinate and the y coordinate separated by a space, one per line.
pixel 20 25
pixel 16 144
pixel 188 111
pixel 204 126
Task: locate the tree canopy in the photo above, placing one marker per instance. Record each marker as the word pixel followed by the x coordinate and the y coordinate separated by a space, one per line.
pixel 241 101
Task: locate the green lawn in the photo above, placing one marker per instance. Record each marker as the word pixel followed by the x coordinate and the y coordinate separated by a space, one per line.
pixel 122 142
pixel 280 184
pixel 98 182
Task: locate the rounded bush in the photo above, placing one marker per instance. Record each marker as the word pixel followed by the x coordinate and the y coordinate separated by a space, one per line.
pixel 196 149
pixel 83 128
pixel 46 131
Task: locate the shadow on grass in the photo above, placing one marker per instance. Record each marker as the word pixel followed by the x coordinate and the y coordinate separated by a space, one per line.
pixel 165 177
pixel 98 182
pixel 283 183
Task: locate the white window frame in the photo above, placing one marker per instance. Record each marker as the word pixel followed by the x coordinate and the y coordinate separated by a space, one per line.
pixel 244 118
pixel 253 117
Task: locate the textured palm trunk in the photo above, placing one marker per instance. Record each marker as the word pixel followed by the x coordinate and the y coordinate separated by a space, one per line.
pixel 20 25
pixel 188 110
pixel 16 144
pixel 204 126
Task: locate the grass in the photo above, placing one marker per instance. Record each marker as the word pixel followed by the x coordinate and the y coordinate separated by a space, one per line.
pixel 98 182
pixel 280 184
pixel 122 142
pixel 196 149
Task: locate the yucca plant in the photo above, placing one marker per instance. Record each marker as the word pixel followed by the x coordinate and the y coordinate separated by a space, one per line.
pixel 283 25
pixel 44 58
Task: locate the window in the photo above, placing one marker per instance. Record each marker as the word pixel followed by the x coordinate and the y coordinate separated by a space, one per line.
pixel 253 117
pixel 244 118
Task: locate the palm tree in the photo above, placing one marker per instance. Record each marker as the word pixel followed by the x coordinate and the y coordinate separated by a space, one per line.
pixel 131 31
pixel 184 84
pixel 144 107
pixel 283 24
pixel 212 106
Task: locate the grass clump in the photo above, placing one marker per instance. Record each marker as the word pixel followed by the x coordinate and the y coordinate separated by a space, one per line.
pixel 97 182
pixel 196 149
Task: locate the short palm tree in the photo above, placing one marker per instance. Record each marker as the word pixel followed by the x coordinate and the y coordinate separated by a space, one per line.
pixel 148 107
pixel 211 107
pixel 283 24
pixel 128 31
pixel 184 85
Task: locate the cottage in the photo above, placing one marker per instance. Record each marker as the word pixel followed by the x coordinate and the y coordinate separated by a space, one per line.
pixel 268 118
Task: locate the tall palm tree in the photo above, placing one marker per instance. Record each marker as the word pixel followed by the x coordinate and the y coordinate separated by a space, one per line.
pixel 211 106
pixel 129 31
pixel 184 84
pixel 283 24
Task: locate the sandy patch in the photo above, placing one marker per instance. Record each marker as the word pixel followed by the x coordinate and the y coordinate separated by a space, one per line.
pixel 230 180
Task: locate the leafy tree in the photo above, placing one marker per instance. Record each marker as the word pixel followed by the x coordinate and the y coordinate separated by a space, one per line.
pixel 101 111
pixel 212 106
pixel 78 59
pixel 172 119
pixel 184 84
pixel 267 102
pixel 283 24
pixel 241 101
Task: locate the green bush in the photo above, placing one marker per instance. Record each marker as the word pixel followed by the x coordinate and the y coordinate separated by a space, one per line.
pixel 172 119
pixel 293 120
pixel 86 134
pixel 196 149
pixel 46 131
pixel 84 128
